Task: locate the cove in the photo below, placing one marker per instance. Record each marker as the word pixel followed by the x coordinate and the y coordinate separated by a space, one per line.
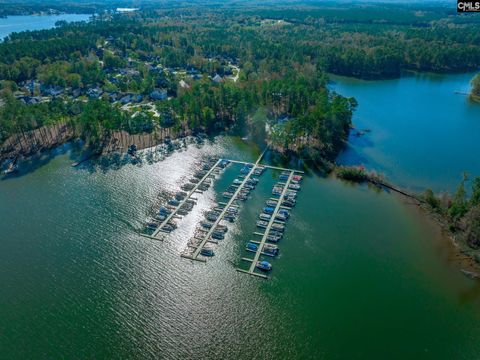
pixel 360 274
pixel 423 134
pixel 19 23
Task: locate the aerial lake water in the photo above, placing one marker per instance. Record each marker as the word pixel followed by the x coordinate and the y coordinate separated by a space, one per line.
pixel 19 23
pixel 362 274
pixel 424 130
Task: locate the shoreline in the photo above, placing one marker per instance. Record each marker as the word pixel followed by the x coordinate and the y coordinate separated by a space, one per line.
pixel 465 256
pixel 30 143
pixel 475 98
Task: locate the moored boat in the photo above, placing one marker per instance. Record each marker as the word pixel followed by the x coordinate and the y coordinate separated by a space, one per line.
pixel 206 224
pixel 229 217
pixel 218 235
pixel 289 202
pixel 167 228
pixel 173 202
pixel 270 249
pixel 273 238
pixel 265 217
pixel 207 251
pixel 278 227
pixel 271 203
pixel 275 233
pixel 227 195
pixel 211 217
pixel 264 265
pixel 180 195
pixel 284 212
pixel 12 168
pixel 268 210
pixel 262 224
pixel 221 228
pixel 160 217
pixel 151 225
pixel 164 211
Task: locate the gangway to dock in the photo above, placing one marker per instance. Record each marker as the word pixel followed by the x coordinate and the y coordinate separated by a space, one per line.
pixel 258 253
pixel 267 166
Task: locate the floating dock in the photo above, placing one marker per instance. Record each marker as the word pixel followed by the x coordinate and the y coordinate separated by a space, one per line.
pixel 222 208
pixel 206 238
pixel 259 252
pixel 267 166
pixel 174 212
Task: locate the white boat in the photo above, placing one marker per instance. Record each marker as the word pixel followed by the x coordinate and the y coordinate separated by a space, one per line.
pixel 207 251
pixel 262 224
pixel 265 217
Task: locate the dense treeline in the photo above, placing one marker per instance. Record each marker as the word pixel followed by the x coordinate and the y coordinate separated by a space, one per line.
pixel 462 211
pixel 280 94
pixel 26 7
pixel 475 93
pixel 383 41
pixel 91 120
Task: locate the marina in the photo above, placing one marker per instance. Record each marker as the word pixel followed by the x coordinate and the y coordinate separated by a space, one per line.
pixel 161 227
pixel 272 221
pixel 211 230
pixel 261 247
pixel 239 187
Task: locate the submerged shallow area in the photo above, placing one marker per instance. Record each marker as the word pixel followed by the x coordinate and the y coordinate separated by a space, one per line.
pixel 360 273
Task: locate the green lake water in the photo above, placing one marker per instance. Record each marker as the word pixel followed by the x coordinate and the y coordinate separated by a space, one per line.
pixel 361 274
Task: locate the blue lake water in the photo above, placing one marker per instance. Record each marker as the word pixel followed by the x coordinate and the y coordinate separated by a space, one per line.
pixel 19 23
pixel 422 135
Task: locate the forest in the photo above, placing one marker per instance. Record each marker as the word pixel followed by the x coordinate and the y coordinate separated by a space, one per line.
pixel 475 93
pixel 281 56
pixel 461 211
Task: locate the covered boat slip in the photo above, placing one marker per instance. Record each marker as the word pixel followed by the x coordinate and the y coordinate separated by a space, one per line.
pixel 209 231
pixel 253 262
pixel 173 214
pixel 207 237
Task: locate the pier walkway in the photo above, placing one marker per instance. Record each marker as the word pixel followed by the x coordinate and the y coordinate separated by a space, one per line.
pixel 174 212
pixel 206 237
pixel 267 166
pixel 251 270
